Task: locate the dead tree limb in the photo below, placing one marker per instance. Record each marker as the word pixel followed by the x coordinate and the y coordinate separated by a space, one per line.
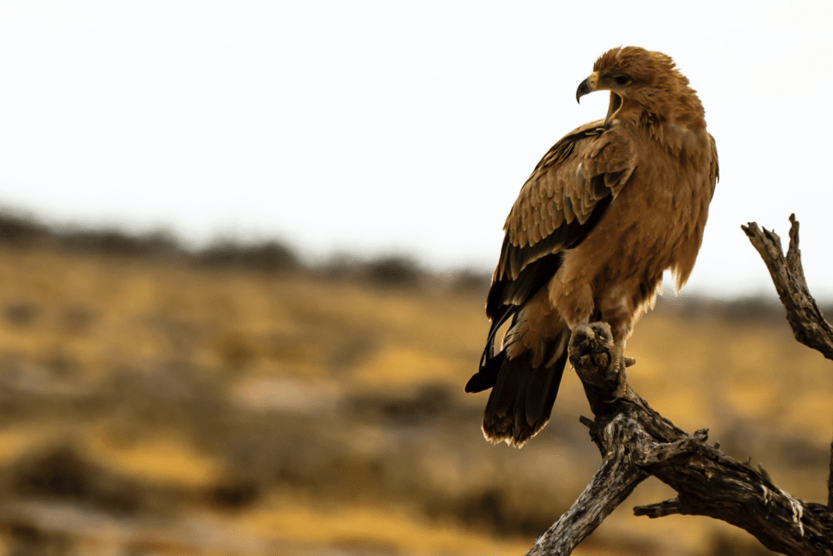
pixel 637 442
pixel 610 486
pixel 808 324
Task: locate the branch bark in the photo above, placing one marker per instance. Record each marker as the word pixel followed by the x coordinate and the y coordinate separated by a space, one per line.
pixel 808 324
pixel 611 485
pixel 637 442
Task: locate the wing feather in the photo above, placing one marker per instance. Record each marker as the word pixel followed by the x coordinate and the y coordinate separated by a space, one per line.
pixel 561 202
pixel 714 171
pixel 567 185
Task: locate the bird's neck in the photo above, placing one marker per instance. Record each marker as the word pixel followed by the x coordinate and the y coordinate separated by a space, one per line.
pixel 675 119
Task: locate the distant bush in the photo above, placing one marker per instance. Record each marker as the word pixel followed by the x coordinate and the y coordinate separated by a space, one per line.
pixel 393 270
pixel 62 472
pixel 757 308
pixel 21 313
pixel 270 256
pixel 15 228
pixel 428 404
pixel 340 266
pixel 112 241
pixel 472 280
pixel 234 494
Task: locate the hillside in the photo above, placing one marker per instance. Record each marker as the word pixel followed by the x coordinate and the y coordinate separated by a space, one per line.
pixel 234 401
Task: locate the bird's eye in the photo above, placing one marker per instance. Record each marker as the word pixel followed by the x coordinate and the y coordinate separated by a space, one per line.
pixel 622 79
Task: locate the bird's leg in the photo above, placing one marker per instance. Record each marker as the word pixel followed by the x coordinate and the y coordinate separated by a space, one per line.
pixel 621 331
pixel 622 363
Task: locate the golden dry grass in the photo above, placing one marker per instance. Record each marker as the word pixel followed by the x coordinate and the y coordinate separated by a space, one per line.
pixel 302 413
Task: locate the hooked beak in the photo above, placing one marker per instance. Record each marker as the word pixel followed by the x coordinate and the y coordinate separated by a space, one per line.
pixel 587 86
pixel 590 85
pixel 583 89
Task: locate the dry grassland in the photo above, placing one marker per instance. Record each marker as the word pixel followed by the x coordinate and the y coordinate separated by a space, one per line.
pixel 151 405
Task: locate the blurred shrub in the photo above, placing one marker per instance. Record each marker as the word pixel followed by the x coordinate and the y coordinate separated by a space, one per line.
pixel 15 228
pixel 29 540
pixel 340 266
pixel 428 404
pixel 470 280
pixel 61 472
pixel 21 313
pixel 269 256
pixel 393 270
pixel 490 510
pixel 236 493
pixel 112 241
pixel 235 350
pixel 752 309
pixel 76 319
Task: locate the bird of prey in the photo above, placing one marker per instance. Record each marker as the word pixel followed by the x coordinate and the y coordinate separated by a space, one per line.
pixel 608 209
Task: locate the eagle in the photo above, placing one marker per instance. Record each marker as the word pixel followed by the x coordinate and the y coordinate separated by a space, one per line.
pixel 609 208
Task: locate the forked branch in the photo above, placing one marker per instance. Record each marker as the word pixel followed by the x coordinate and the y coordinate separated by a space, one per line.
pixel 637 442
pixel 808 324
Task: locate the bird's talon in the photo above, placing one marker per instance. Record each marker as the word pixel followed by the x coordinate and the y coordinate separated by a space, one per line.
pixel 621 376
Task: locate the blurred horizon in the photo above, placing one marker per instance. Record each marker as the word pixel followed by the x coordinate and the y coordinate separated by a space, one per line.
pixel 27 223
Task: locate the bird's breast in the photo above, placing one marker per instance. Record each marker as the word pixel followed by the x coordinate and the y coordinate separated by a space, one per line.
pixel 654 224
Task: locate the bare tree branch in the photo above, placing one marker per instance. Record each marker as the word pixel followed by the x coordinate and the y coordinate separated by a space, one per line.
pixel 636 442
pixel 610 486
pixel 830 480
pixel 808 324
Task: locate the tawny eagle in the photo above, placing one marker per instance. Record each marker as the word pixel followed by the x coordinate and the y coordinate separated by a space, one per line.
pixel 609 208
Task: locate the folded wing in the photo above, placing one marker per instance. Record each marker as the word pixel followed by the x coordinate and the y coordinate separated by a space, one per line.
pixel 559 205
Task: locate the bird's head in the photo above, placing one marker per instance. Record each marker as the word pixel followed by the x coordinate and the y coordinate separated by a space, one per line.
pixel 641 82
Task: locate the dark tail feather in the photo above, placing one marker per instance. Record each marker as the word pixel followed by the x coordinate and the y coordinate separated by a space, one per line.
pixel 522 396
pixel 487 375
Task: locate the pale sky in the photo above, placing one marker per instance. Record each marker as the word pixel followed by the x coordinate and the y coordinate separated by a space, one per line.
pixel 378 127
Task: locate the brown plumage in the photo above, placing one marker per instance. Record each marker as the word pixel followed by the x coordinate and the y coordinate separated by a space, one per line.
pixel 608 209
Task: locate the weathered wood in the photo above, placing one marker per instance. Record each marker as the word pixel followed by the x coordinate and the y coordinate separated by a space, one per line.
pixel 808 324
pixel 636 442
pixel 610 486
pixel 830 480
